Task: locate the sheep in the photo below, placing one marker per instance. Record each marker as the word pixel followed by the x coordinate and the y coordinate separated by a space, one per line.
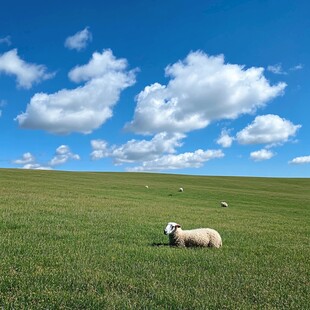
pixel 224 204
pixel 146 186
pixel 201 237
pixel 181 189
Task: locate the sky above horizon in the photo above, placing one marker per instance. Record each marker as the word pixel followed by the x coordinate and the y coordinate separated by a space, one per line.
pixel 190 87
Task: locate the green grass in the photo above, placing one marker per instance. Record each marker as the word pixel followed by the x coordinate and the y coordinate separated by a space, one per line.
pixel 95 241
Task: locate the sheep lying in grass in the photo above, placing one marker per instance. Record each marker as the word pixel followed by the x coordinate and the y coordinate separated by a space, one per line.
pixel 201 237
pixel 224 204
pixel 181 189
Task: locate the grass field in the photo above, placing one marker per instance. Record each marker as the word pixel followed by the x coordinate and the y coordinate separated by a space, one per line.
pixel 77 240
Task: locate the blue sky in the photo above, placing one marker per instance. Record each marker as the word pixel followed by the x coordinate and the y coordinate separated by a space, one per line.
pixel 191 87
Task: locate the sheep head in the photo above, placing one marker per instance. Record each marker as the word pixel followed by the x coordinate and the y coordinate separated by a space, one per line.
pixel 171 228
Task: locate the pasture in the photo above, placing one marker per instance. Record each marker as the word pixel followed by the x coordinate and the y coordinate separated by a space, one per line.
pixel 82 240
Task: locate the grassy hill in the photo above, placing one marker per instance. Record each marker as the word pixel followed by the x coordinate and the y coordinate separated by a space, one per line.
pixel 79 240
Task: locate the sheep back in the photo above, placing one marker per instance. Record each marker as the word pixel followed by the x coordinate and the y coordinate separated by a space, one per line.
pixel 201 237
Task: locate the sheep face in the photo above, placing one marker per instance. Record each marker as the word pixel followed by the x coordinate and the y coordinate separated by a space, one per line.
pixel 171 228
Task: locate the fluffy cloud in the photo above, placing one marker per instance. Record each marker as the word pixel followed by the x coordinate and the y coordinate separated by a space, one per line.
pixel 225 140
pixel 137 151
pixel 100 149
pixel 155 154
pixel 27 158
pixel 267 129
pixel 86 107
pixel 98 66
pixel 28 161
pixel 300 160
pixel 201 89
pixel 180 161
pixel 26 74
pixel 63 154
pixel 79 40
pixel 262 155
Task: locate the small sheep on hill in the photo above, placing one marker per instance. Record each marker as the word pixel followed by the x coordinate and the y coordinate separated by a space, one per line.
pixel 224 204
pixel 201 237
pixel 181 189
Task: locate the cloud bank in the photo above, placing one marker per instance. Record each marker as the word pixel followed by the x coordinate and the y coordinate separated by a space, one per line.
pixel 186 160
pixel 63 155
pixel 201 89
pixel 137 150
pixel 155 154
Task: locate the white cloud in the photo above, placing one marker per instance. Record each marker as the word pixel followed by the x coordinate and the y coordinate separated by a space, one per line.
pixel 267 129
pixel 276 69
pixel 262 154
pixel 28 161
pixel 6 40
pixel 225 140
pixel 27 158
pixel 98 66
pixel 300 160
pixel 201 89
pixel 79 40
pixel 84 108
pixel 134 151
pixel 153 155
pixel 100 149
pixel 26 74
pixel 137 151
pixel 180 161
pixel 63 154
pixel 35 166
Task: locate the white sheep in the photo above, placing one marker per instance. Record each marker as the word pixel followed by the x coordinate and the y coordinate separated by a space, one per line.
pixel 224 204
pixel 181 189
pixel 201 237
pixel 146 186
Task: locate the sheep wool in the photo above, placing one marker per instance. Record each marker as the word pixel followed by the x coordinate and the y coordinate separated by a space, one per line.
pixel 224 204
pixel 201 237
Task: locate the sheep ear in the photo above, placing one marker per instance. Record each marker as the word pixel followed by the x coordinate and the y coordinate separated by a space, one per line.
pixel 177 225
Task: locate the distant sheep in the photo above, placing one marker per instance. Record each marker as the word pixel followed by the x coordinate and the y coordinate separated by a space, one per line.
pixel 181 189
pixel 201 237
pixel 224 204
pixel 146 186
